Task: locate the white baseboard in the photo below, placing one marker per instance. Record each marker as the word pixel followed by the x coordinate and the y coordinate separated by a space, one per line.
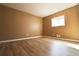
pixel 20 39
pixel 73 40
pixel 38 37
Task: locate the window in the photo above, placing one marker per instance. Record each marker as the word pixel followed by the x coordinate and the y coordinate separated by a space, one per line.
pixel 58 21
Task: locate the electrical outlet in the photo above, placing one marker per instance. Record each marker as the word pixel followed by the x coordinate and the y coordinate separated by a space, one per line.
pixel 58 35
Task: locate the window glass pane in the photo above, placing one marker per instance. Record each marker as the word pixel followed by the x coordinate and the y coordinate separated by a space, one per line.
pixel 58 21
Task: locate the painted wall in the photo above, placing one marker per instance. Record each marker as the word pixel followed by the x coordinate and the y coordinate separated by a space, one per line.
pixel 70 30
pixel 16 24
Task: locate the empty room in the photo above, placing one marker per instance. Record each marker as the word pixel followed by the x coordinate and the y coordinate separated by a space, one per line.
pixel 39 29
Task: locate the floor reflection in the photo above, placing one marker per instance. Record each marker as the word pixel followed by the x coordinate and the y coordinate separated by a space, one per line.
pixel 63 48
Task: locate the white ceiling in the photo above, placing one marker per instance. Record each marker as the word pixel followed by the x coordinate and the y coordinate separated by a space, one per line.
pixel 40 9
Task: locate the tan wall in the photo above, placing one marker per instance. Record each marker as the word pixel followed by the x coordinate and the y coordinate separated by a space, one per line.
pixel 70 30
pixel 16 24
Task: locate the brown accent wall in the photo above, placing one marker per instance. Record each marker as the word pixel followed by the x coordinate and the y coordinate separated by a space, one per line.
pixel 70 30
pixel 16 24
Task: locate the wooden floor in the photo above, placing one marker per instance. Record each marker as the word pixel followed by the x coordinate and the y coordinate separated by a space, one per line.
pixel 37 47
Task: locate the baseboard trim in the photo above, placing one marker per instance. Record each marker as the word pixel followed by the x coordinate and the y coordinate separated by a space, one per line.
pixel 72 40
pixel 20 39
pixel 39 37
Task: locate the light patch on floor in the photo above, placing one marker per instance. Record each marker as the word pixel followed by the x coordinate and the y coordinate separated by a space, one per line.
pixel 71 44
pixel 74 45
